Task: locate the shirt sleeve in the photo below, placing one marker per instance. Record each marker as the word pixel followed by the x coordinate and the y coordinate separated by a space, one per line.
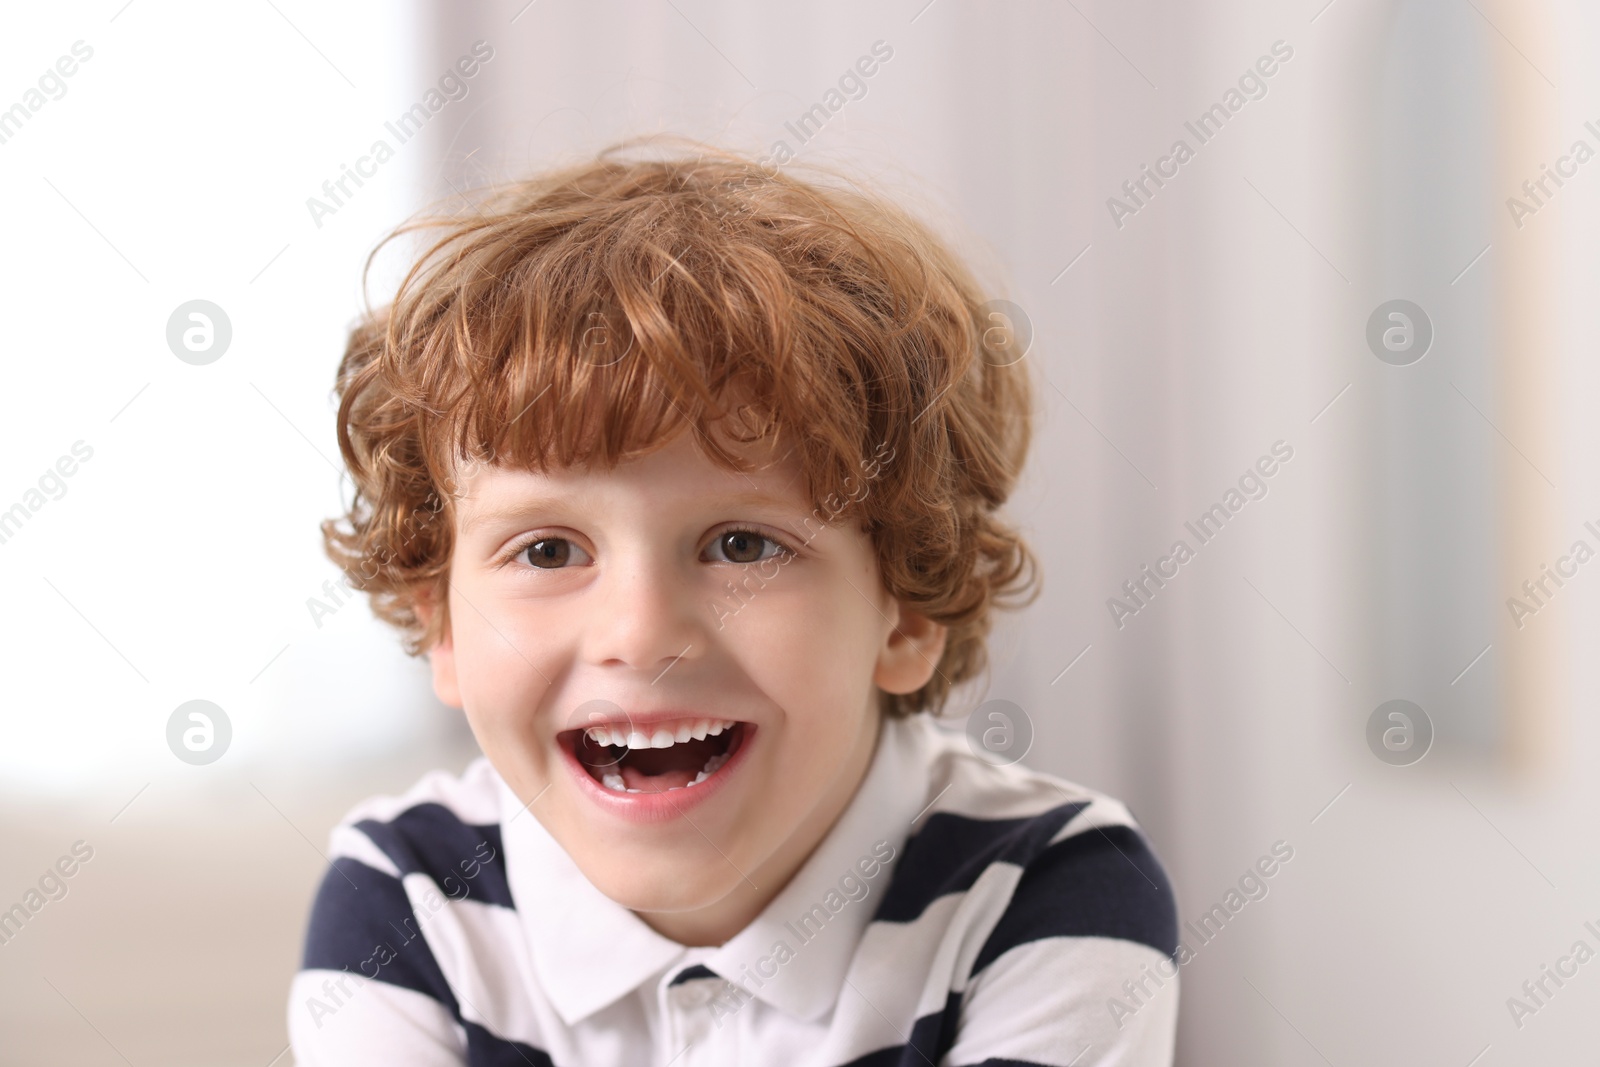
pixel 369 990
pixel 1080 970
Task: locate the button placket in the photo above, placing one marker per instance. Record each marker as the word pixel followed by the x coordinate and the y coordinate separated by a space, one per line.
pixel 694 1024
pixel 685 1024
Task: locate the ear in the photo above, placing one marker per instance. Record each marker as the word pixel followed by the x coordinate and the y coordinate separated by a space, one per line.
pixel 910 652
pixel 441 655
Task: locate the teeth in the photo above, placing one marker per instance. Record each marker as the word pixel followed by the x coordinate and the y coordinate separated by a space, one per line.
pixel 605 735
pixel 659 737
pixel 713 765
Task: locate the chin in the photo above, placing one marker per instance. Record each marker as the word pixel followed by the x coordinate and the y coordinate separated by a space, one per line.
pixel 680 884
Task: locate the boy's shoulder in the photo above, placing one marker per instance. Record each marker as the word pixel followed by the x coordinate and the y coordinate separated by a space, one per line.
pixel 380 912
pixel 1073 860
pixel 442 826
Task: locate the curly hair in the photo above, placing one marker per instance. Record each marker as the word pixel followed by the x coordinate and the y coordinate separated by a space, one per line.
pixel 586 314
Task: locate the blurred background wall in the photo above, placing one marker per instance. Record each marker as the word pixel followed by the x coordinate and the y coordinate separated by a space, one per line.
pixel 1189 314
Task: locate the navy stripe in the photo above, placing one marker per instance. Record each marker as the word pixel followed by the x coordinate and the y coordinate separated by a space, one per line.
pixel 932 1037
pixel 949 853
pixel 1103 882
pixel 892 1056
pixel 689 974
pixel 362 922
pixel 484 1049
pixel 934 1034
pixel 465 860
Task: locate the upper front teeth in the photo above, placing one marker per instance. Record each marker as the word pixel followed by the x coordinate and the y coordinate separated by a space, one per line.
pixel 661 736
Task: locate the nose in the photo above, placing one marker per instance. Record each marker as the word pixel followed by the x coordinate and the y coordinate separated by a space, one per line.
pixel 645 614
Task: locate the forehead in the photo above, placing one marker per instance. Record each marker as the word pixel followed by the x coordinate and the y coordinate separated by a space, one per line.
pixel 677 472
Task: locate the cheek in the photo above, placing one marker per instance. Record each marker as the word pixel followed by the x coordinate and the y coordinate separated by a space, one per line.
pixel 501 660
pixel 810 649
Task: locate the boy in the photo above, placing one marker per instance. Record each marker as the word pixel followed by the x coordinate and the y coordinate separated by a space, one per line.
pixel 684 474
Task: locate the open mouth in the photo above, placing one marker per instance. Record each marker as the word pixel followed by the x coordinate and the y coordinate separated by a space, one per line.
pixel 676 755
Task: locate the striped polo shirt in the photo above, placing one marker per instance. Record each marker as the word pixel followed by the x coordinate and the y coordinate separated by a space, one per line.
pixel 957 913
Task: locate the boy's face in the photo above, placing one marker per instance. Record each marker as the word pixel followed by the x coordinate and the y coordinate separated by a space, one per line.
pixel 642 600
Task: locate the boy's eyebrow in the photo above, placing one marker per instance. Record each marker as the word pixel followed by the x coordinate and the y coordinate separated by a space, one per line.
pixel 520 509
pixel 508 512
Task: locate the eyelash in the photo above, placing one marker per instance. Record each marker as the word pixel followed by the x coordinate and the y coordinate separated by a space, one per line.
pixel 518 550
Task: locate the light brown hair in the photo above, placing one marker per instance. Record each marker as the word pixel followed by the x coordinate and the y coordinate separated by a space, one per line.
pixel 586 314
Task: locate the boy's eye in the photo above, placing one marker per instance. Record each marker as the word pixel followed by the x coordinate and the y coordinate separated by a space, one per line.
pixel 550 552
pixel 734 546
pixel 745 546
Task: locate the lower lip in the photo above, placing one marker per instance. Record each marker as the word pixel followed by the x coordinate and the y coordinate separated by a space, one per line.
pixel 656 807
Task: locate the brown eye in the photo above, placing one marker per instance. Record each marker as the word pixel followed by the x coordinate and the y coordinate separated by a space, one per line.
pixel 740 544
pixel 549 552
pixel 747 546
